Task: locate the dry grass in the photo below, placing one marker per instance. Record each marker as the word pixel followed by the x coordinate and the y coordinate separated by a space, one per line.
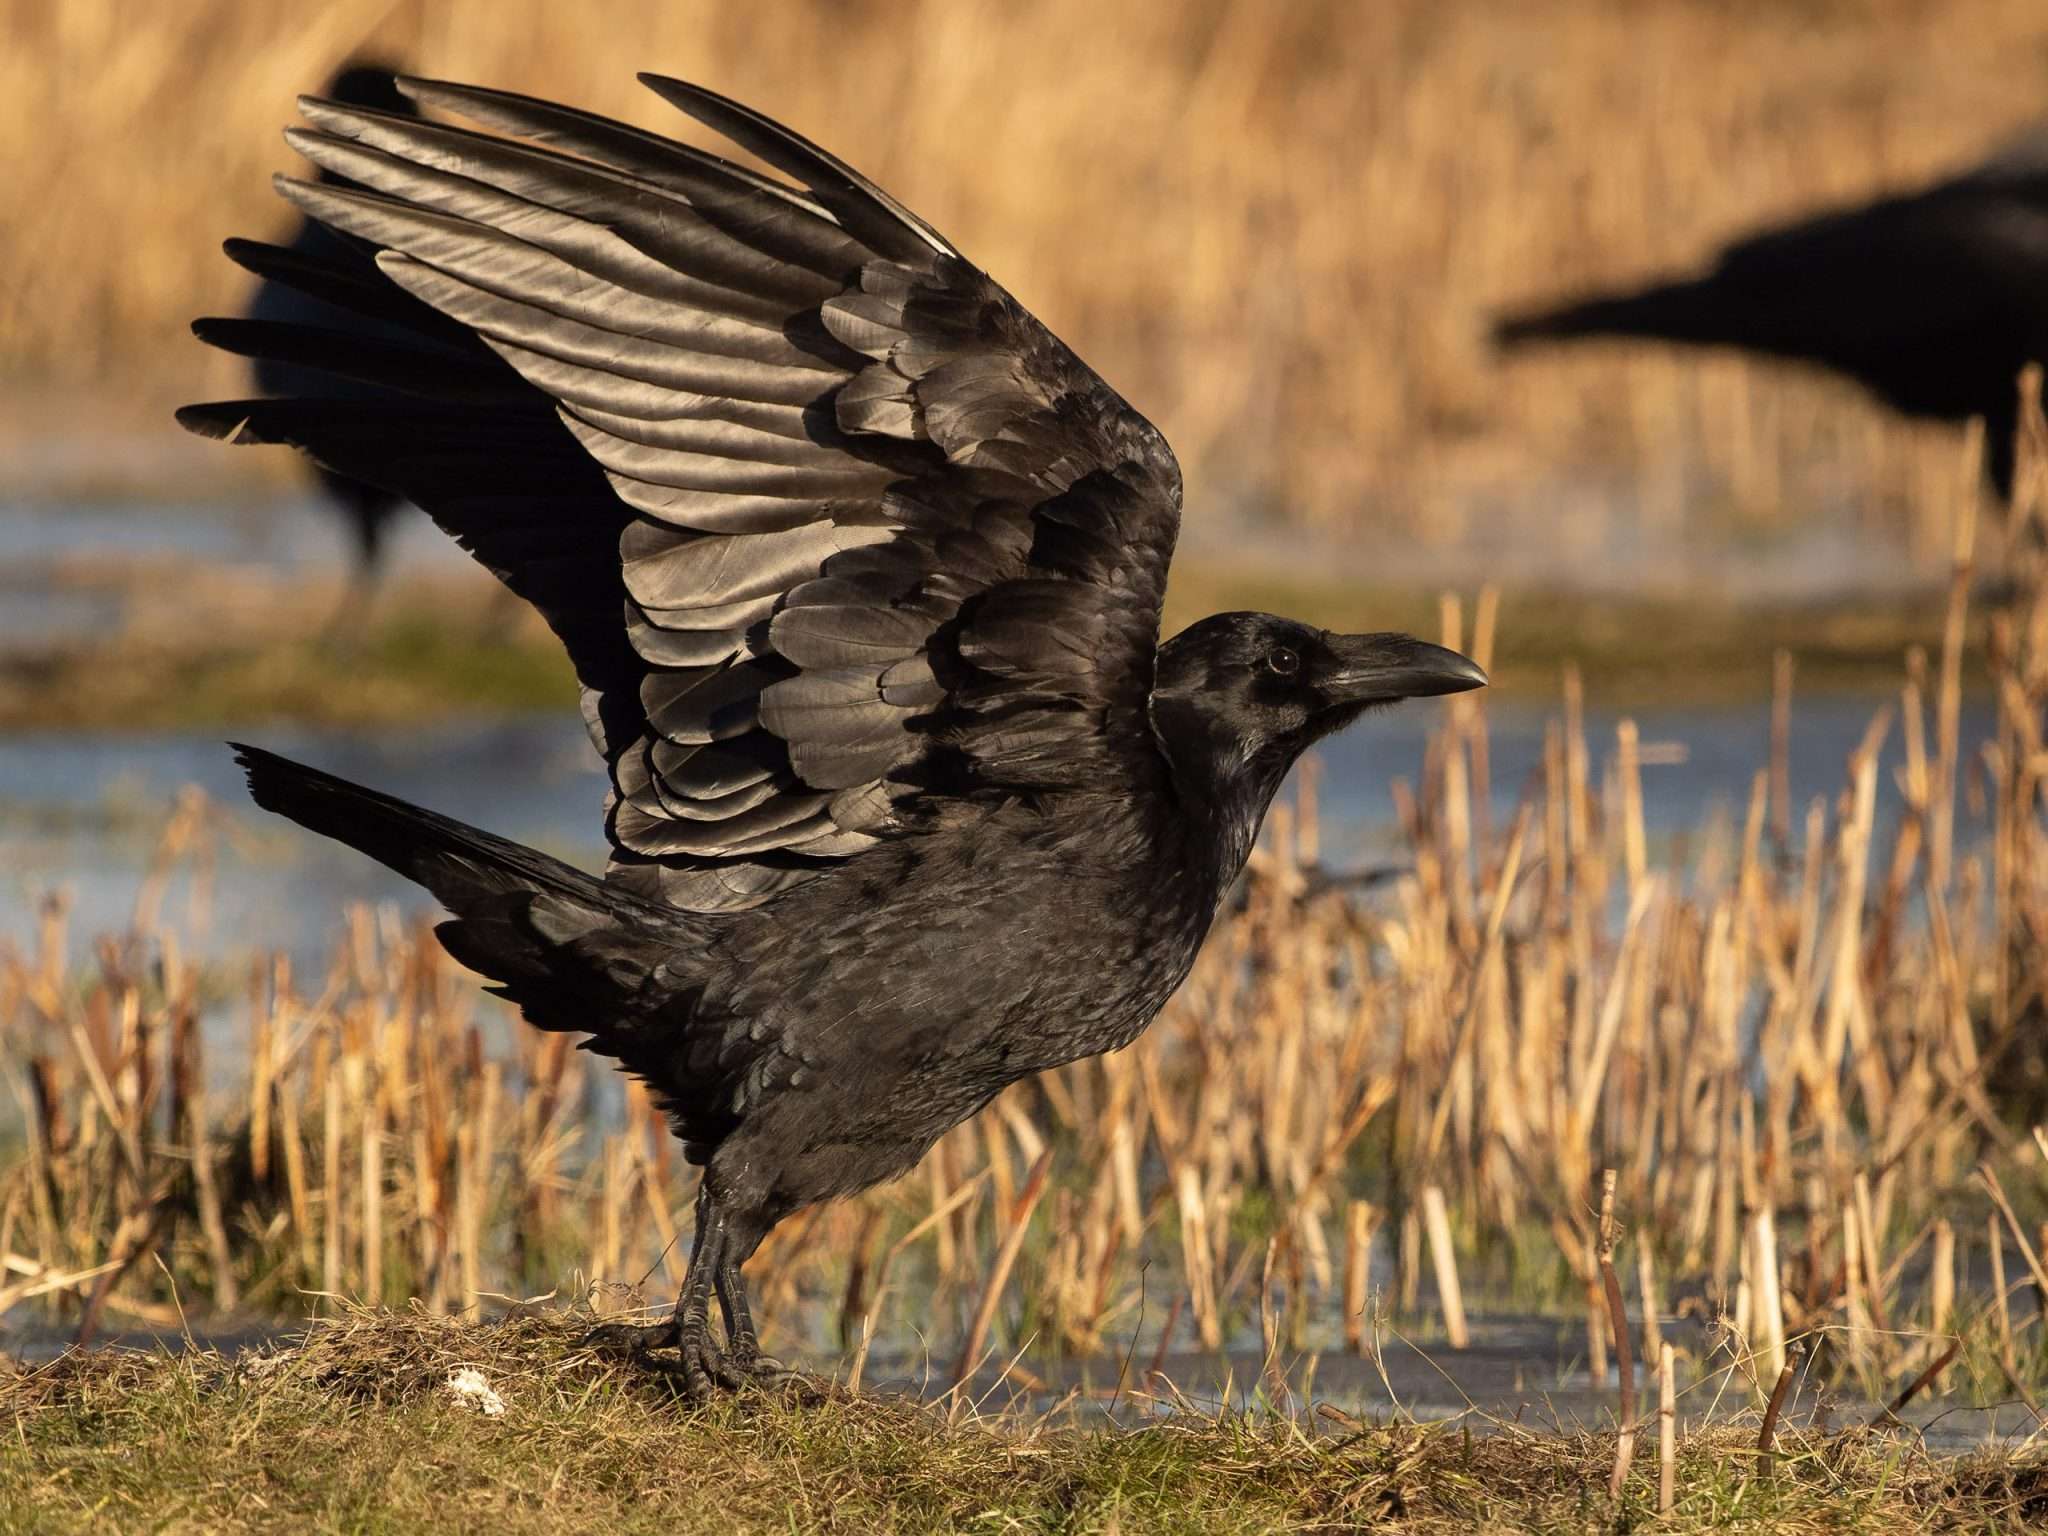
pixel 1277 228
pixel 359 1426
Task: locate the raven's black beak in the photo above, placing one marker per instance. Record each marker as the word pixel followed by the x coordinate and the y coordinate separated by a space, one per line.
pixel 1380 668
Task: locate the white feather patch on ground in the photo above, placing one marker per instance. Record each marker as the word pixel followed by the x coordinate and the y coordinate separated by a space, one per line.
pixel 473 1391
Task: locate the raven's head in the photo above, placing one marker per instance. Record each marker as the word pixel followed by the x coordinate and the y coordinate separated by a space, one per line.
pixel 1238 697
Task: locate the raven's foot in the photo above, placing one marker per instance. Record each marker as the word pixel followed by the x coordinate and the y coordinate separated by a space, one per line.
pixel 746 1368
pixel 741 1369
pixel 688 1358
pixel 701 1365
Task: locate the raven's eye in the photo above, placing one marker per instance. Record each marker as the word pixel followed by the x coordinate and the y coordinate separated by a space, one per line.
pixel 1284 661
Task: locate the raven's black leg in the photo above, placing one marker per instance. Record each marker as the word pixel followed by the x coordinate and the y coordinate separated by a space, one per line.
pixel 742 1345
pixel 703 1364
pixel 744 1362
pixel 741 1342
pixel 689 1328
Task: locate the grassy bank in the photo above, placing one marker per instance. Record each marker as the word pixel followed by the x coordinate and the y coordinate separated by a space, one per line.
pixel 360 1427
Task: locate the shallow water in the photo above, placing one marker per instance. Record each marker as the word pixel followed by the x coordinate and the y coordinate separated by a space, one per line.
pixel 297 534
pixel 82 812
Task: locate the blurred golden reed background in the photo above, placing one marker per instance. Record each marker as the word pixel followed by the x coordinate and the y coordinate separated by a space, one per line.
pixel 1278 228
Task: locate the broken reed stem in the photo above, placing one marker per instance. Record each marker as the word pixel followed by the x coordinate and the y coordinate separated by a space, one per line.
pixel 1889 1414
pixel 207 1195
pixel 372 1166
pixel 1868 1247
pixel 330 1185
pixel 1628 772
pixel 1269 1326
pixel 1767 1435
pixel 1667 1429
pixel 1990 1182
pixel 1948 703
pixel 1437 1222
pixel 1653 1337
pixel 1198 1262
pixel 1855 1311
pixel 1617 1313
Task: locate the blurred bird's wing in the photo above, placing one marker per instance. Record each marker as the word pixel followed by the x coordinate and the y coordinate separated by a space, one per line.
pixel 2023 158
pixel 835 532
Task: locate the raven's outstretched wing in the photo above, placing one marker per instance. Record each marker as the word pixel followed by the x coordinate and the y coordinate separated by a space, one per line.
pixel 836 533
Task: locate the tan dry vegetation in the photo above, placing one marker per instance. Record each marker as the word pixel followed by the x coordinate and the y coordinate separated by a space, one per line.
pixel 1277 227
pixel 1795 1046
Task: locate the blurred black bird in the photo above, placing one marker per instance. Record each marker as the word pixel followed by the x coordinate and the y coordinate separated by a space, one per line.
pixel 1933 300
pixel 860 569
pixel 278 302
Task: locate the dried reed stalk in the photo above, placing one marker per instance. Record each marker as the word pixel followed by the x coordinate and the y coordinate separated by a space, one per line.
pixel 1443 1256
pixel 1358 1229
pixel 1617 1312
pixel 1667 1430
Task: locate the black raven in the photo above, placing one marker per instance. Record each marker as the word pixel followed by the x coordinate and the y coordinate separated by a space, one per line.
pixel 860 569
pixel 279 302
pixel 1933 300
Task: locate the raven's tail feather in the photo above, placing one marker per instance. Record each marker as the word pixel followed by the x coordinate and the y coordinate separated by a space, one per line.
pixel 457 862
pixel 569 949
